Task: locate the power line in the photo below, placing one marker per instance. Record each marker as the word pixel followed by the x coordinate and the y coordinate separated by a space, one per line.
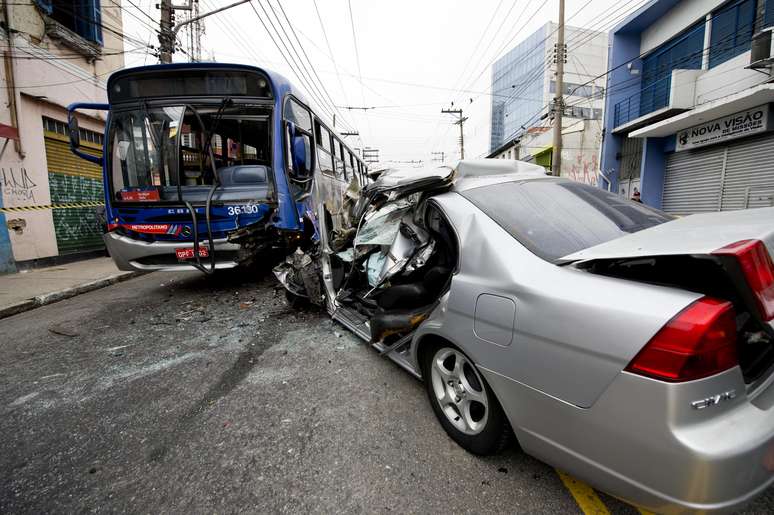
pixel 533 49
pixel 330 51
pixel 309 80
pixel 636 81
pixel 357 58
pixel 288 57
pixel 47 85
pixel 68 57
pixel 303 51
pixel 461 79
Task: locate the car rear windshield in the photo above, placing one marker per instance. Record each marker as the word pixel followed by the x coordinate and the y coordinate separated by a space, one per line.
pixel 554 217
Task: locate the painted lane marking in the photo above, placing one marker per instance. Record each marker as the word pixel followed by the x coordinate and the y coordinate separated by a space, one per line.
pixel 587 499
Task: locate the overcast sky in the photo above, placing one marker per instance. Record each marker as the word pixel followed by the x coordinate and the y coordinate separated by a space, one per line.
pixel 412 58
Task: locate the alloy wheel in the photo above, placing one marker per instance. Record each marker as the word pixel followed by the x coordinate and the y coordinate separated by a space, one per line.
pixel 459 391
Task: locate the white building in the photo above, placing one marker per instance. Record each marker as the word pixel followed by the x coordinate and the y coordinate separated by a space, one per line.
pixel 523 88
pixel 55 53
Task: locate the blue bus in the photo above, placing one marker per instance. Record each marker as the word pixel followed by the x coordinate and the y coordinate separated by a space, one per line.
pixel 209 166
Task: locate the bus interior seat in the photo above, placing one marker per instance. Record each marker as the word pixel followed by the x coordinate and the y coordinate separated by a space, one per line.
pixel 243 175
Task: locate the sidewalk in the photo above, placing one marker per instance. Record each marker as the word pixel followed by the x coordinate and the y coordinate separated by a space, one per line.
pixel 28 290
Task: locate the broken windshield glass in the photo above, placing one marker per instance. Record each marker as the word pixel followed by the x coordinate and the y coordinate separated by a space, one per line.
pixel 153 150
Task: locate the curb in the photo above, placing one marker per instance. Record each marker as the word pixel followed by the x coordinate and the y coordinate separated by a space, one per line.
pixel 50 298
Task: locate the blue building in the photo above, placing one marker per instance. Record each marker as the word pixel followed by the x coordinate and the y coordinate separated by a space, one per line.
pixel 517 87
pixel 687 111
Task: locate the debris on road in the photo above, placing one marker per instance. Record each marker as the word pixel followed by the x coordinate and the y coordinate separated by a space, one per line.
pixel 63 331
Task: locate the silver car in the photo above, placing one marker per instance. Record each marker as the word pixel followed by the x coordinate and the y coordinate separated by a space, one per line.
pixel 628 348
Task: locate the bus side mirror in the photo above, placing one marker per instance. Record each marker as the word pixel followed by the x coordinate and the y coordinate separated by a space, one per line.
pixel 302 156
pixel 75 131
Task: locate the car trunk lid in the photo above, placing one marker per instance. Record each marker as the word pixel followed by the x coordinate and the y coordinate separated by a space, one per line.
pixel 722 255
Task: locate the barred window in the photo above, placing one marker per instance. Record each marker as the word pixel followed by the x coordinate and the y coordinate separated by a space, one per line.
pixel 58 127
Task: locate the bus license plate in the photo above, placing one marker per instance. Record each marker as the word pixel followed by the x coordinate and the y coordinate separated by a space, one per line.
pixel 184 254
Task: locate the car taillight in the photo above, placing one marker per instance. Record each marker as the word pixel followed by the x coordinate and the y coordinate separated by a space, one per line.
pixel 699 342
pixel 758 270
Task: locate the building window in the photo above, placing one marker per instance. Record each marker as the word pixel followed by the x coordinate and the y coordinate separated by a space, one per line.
pixel 57 127
pixel 732 30
pixel 84 17
pixel 683 52
pixel 586 113
pixel 630 158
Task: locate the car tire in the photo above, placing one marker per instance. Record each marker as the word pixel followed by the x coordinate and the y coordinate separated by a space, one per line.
pixel 463 402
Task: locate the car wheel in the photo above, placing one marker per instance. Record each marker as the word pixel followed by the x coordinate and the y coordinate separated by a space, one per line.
pixel 463 402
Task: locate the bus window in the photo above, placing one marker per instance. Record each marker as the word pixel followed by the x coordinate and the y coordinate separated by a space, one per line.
pixel 324 149
pixel 298 114
pixel 347 166
pixel 338 161
pixel 350 164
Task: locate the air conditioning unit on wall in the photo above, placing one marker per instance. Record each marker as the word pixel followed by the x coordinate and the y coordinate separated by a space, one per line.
pixel 762 53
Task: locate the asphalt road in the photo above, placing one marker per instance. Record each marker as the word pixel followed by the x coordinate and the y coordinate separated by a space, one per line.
pixel 177 393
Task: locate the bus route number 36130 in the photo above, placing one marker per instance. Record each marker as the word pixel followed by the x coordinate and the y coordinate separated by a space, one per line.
pixel 247 209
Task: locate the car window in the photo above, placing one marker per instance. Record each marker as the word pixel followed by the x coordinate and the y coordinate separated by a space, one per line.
pixel 554 218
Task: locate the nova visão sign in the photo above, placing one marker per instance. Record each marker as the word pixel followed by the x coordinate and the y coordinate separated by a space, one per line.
pixel 745 123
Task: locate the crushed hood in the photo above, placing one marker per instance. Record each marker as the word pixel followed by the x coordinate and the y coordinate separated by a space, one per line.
pixel 694 234
pixel 406 180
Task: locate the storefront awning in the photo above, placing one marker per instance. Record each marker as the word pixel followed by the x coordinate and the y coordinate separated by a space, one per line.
pixel 8 132
pixel 543 151
pixel 725 106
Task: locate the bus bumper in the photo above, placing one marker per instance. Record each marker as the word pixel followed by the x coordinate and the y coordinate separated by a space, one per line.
pixel 130 254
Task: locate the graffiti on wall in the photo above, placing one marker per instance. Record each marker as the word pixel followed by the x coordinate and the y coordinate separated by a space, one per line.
pixel 75 229
pixel 584 168
pixel 17 185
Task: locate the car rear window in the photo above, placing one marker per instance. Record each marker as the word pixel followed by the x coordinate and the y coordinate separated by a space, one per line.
pixel 554 217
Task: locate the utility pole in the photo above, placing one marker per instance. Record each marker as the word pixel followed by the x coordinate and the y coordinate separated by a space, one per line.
pixel 168 30
pixel 460 121
pixel 195 33
pixel 166 39
pixel 437 159
pixel 560 57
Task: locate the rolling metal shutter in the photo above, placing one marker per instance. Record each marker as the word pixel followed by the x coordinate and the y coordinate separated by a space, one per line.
pixel 749 178
pixel 73 180
pixel 739 175
pixel 692 181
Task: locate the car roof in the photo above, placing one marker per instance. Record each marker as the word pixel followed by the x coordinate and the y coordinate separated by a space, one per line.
pixel 465 175
pixel 474 173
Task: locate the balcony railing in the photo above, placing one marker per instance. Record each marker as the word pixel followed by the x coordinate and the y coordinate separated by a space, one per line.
pixel 648 99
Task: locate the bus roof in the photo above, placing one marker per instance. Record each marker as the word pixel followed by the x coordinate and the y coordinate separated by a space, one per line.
pixel 280 85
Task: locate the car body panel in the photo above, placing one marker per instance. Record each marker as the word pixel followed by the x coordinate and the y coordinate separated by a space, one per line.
pixel 643 442
pixel 566 320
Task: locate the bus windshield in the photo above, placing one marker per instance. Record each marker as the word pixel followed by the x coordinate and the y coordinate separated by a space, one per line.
pixel 160 153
